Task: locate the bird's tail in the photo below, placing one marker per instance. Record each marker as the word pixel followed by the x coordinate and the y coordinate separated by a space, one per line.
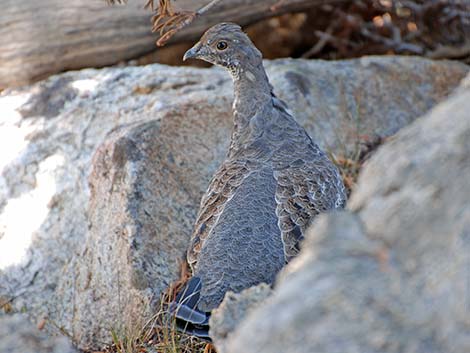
pixel 188 318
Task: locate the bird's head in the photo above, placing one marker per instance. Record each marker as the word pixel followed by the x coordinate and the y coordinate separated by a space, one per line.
pixel 225 44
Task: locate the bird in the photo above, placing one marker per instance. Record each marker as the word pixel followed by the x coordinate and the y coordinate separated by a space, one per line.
pixel 259 203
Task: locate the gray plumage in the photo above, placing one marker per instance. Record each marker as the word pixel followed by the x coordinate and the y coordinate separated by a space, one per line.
pixel 274 181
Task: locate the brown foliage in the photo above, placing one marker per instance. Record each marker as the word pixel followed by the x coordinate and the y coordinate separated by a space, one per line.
pixel 432 28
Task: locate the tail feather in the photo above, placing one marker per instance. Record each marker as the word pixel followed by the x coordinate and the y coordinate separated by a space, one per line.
pixel 185 313
pixel 190 294
pixel 188 318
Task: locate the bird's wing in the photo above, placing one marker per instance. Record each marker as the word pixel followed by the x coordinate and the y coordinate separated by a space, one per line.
pixel 307 182
pixel 221 188
pixel 302 192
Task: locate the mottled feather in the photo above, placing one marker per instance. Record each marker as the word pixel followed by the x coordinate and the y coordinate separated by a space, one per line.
pixel 272 184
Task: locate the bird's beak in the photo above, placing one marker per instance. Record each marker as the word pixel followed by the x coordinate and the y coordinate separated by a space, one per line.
pixel 193 53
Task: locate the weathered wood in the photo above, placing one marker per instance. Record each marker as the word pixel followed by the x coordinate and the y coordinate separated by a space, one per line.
pixel 40 38
pixel 240 11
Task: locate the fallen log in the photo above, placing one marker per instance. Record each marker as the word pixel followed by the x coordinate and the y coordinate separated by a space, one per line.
pixel 41 38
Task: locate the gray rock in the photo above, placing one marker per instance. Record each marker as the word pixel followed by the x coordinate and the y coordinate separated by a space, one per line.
pixel 347 103
pixel 391 274
pixel 18 335
pixel 74 249
pixel 140 213
pixel 233 310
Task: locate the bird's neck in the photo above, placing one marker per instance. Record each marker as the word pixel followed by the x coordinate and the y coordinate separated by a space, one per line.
pixel 252 91
pixel 252 97
pixel 251 86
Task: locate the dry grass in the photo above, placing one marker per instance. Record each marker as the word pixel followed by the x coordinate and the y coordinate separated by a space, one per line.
pixel 349 168
pixel 159 334
pixel 5 305
pixel 350 164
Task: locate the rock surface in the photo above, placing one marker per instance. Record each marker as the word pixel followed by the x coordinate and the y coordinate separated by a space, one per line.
pixel 18 335
pixel 390 274
pixel 103 230
pixel 233 310
pixel 143 192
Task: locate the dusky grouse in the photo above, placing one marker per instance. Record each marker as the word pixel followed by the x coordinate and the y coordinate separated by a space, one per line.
pixel 273 182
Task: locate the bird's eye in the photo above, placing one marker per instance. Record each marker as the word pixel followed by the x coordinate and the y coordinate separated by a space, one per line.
pixel 222 45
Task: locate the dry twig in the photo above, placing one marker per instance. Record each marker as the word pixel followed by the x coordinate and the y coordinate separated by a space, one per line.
pixel 169 22
pixel 325 37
